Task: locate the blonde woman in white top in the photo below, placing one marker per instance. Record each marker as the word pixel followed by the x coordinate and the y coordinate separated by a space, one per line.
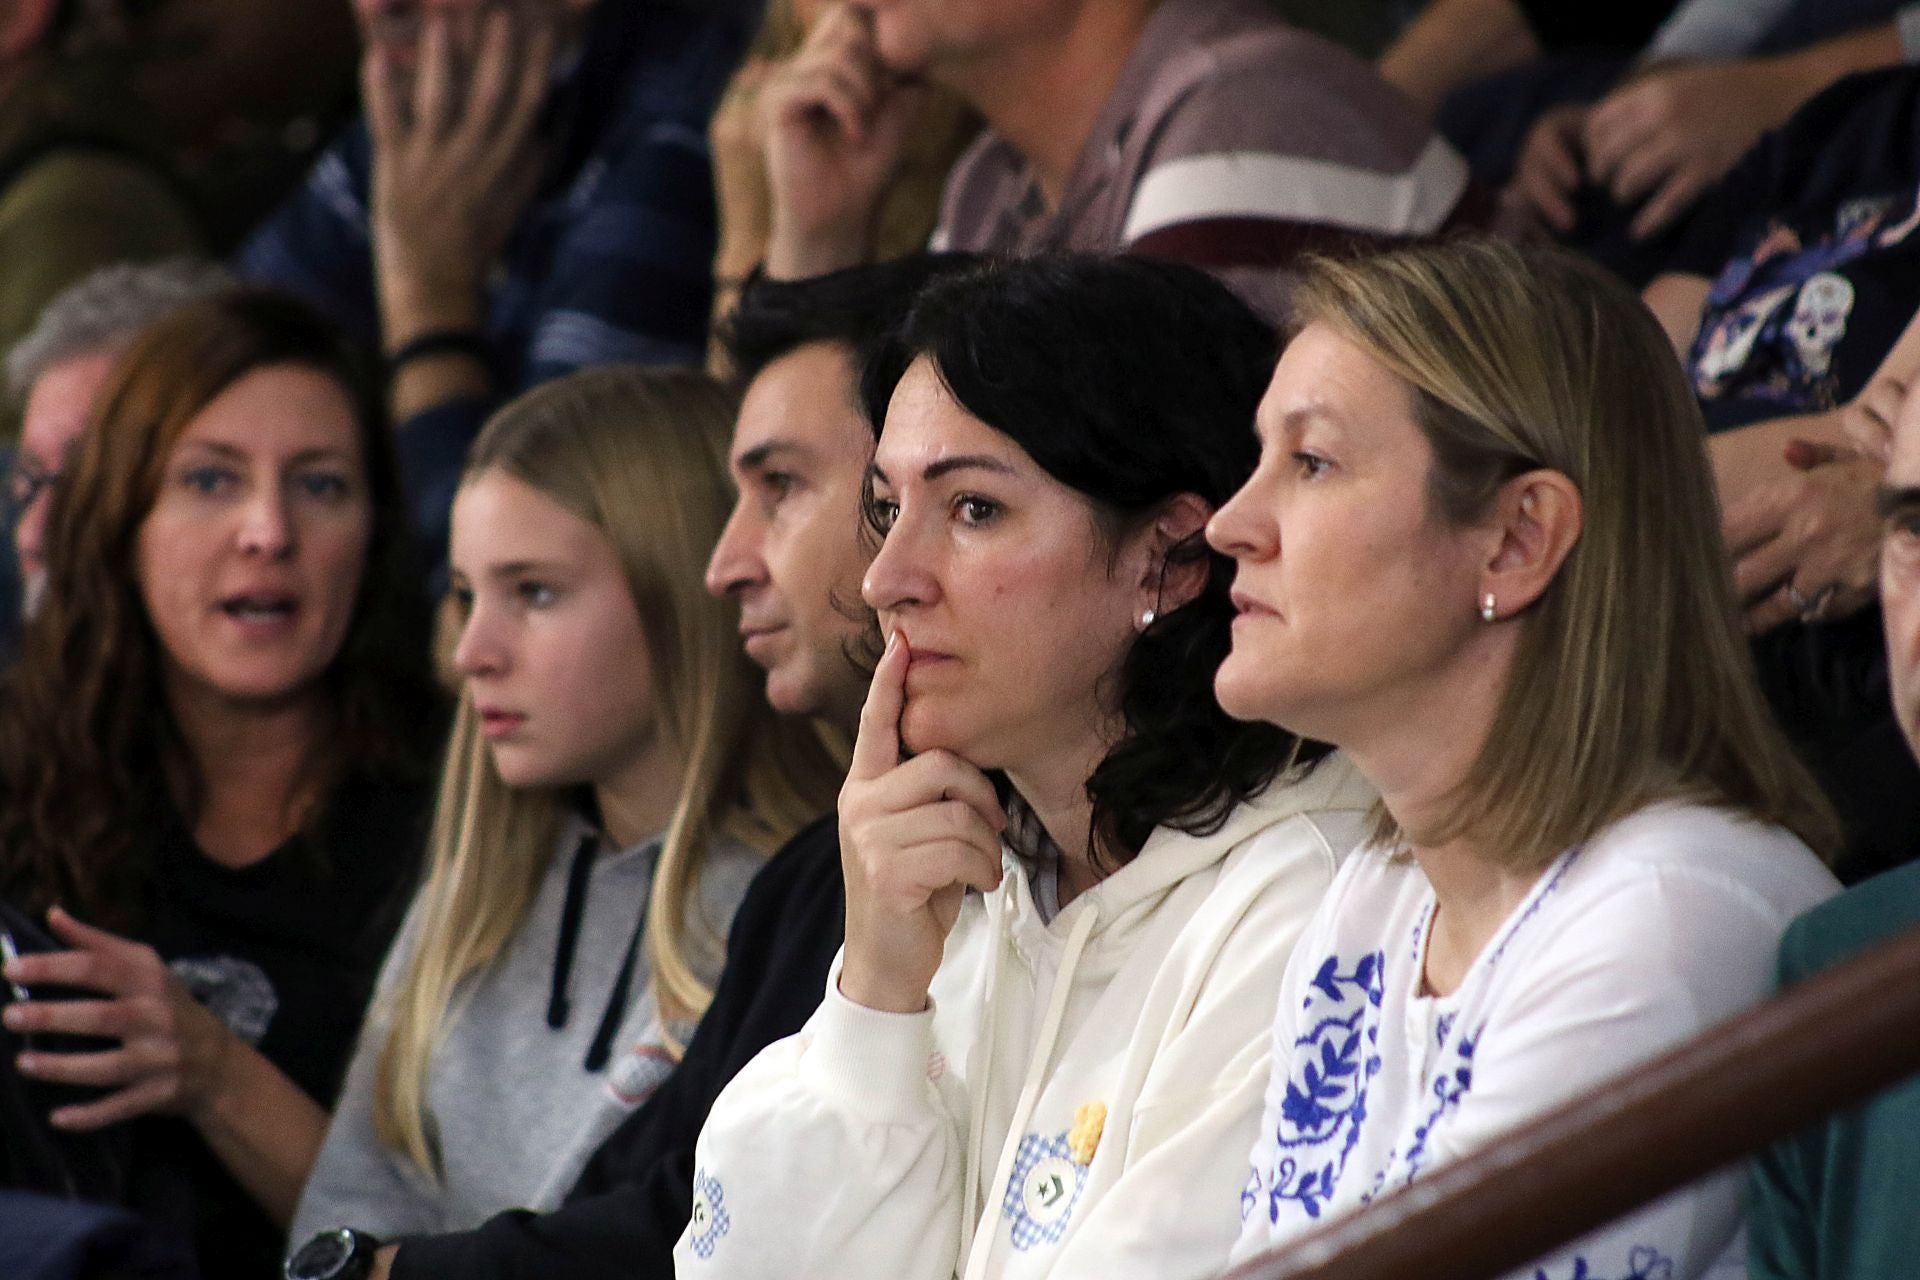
pixel 1481 556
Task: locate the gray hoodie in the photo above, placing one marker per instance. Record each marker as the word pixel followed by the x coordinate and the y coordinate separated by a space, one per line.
pixel 542 1056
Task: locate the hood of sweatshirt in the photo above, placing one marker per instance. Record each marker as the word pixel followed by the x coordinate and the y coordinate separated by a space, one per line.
pixel 1130 898
pixel 1076 956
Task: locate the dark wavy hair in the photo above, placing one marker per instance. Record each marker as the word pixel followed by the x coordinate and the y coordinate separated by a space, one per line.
pixel 1131 382
pixel 857 308
pixel 91 762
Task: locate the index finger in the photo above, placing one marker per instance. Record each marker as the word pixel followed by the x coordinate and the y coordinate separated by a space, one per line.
pixel 877 748
pixel 86 937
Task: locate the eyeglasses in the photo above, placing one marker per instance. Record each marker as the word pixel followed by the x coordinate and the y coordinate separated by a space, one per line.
pixel 26 481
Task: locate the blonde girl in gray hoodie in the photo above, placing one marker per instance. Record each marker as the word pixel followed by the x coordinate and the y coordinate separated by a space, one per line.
pixel 613 781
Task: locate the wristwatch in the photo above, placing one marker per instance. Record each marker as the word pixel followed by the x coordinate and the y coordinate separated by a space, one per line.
pixel 342 1254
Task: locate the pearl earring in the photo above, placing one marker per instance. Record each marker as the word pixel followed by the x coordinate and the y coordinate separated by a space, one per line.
pixel 1146 619
pixel 1489 611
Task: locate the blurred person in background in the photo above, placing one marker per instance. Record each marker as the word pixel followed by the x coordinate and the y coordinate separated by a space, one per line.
pixel 84 179
pixel 54 374
pixel 1791 300
pixel 1614 167
pixel 1209 132
pixel 942 127
pixel 214 755
pixel 529 193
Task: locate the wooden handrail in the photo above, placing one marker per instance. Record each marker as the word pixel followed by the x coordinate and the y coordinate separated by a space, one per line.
pixel 1826 1044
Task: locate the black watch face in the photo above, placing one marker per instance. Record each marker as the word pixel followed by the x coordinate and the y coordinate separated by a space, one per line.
pixel 322 1257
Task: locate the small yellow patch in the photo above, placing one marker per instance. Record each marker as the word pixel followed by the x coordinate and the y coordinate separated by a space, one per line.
pixel 1089 1122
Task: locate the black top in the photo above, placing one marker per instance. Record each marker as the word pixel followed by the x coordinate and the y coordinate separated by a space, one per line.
pixel 1558 25
pixel 286 952
pixel 636 1194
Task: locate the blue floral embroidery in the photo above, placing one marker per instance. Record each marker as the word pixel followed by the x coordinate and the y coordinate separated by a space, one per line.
pixel 1644 1262
pixel 1333 1063
pixel 1039 1202
pixel 710 1217
pixel 1448 1086
pixel 1452 1079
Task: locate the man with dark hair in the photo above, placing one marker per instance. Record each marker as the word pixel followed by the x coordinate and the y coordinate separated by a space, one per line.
pixel 792 556
pixel 1836 1202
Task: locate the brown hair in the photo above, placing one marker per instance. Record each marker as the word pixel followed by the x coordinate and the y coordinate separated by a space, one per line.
pixel 91 762
pixel 1632 681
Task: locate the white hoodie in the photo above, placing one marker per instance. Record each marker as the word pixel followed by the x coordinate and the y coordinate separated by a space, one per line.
pixel 964 1139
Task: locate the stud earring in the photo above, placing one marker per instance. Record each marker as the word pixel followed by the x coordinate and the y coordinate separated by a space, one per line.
pixel 1146 618
pixel 1489 611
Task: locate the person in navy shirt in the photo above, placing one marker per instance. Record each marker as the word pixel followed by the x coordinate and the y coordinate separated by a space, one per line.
pixel 528 194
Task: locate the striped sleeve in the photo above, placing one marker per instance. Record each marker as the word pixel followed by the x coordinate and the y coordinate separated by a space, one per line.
pixel 1281 150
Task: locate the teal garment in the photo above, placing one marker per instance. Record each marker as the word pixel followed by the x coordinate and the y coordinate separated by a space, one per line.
pixel 1841 1201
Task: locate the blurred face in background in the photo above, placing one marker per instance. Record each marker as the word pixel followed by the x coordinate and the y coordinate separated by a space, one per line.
pixel 251 558
pixel 56 412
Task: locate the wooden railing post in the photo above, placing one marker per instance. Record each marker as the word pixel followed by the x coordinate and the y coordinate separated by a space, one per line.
pixel 1827 1044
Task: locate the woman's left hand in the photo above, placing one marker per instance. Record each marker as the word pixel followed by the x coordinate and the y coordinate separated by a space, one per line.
pixel 1807 545
pixel 172 1049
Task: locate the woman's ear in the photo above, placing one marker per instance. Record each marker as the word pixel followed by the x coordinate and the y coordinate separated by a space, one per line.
pixel 1536 517
pixel 1176 569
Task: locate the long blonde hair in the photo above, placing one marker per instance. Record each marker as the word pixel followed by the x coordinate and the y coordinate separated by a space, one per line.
pixel 641 456
pixel 1632 680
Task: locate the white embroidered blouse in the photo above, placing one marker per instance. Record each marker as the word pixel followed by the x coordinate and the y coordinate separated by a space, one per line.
pixel 1661 926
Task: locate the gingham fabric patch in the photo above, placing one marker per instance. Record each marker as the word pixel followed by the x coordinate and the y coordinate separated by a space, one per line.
pixel 1042 1191
pixel 710 1218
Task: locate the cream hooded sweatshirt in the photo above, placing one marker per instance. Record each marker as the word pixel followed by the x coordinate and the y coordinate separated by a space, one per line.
pixel 1077 1101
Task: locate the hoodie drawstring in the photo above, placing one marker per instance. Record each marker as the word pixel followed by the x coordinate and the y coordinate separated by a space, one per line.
pixel 1036 1072
pixel 571 909
pixel 980 1061
pixel 616 1011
